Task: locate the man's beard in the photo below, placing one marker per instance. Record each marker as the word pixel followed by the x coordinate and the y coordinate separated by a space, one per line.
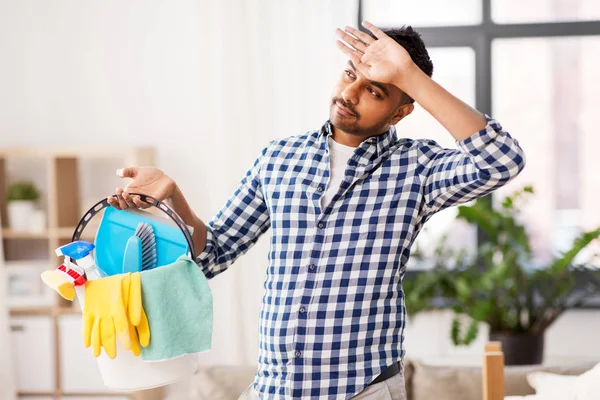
pixel 348 126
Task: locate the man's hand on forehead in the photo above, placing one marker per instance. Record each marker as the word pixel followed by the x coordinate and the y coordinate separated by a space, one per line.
pixel 381 60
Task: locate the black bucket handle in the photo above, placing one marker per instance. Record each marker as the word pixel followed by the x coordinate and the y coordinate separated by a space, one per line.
pixel 101 205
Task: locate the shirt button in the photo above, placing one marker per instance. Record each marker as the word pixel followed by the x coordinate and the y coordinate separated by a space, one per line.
pixel 302 309
pixel 311 267
pixel 320 225
pixel 320 188
pixel 298 353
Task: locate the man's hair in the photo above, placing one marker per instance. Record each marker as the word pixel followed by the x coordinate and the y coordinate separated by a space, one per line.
pixel 411 40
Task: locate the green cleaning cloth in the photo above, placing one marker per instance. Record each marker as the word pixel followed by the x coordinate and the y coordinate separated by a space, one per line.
pixel 179 306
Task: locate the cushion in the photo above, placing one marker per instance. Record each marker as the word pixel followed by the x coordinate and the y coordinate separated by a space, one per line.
pixel 221 382
pixel 464 383
pixel 444 382
pixel 554 386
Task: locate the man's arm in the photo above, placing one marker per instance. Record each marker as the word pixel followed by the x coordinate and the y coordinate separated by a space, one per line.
pixel 483 162
pixel 487 156
pixel 237 226
pixel 231 233
pixel 180 205
pixel 460 119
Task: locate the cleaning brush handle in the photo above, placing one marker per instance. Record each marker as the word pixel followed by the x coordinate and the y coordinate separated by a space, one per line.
pixel 102 204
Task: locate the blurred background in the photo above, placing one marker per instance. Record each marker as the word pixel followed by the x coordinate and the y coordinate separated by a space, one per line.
pixel 197 88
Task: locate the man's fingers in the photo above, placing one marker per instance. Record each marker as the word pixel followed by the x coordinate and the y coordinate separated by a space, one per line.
pixel 354 42
pixel 129 200
pixel 122 203
pixel 362 36
pixel 113 202
pixel 353 54
pixel 379 34
pixel 139 203
pixel 129 172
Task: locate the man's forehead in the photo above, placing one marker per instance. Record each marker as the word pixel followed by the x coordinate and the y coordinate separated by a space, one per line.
pixel 387 88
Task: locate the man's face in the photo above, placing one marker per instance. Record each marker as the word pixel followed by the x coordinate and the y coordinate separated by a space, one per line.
pixel 365 108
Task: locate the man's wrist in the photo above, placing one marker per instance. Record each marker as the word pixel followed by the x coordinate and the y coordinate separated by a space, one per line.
pixel 407 79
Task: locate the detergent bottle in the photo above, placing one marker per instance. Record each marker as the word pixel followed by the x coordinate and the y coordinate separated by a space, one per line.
pixel 81 252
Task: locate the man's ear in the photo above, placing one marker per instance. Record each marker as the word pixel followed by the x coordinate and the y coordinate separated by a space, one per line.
pixel 402 112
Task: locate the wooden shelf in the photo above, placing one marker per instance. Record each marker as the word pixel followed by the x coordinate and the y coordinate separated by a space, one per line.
pixel 67 233
pixel 10 234
pixel 37 394
pixel 72 394
pixel 67 311
pixel 30 311
pixel 93 394
pixel 60 233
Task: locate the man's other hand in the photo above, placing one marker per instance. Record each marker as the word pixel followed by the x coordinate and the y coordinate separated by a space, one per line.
pixel 145 180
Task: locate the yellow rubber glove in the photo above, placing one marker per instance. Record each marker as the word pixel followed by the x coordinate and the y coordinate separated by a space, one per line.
pixel 105 315
pixel 139 330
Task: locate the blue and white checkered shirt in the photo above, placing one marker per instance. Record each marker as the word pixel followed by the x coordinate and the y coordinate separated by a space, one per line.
pixel 333 312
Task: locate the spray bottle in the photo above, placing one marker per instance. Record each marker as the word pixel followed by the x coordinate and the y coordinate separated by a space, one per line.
pixel 80 251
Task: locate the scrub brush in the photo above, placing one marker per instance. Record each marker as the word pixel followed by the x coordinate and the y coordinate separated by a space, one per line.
pixel 140 251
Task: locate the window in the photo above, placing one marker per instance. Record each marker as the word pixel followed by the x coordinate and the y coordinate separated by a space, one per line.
pixel 534 66
pixel 515 11
pixel 422 13
pixel 544 90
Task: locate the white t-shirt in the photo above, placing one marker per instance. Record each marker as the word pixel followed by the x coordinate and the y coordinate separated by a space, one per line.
pixel 339 155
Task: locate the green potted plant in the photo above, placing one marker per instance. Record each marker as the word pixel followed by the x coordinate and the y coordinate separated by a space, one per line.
pixel 21 199
pixel 501 287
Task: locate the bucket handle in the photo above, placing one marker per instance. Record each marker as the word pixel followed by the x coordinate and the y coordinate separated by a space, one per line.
pixel 101 205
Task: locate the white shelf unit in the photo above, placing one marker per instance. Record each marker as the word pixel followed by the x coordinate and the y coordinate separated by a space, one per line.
pixel 49 359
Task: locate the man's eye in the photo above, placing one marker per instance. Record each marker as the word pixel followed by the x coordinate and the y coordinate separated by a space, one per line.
pixel 373 92
pixel 349 73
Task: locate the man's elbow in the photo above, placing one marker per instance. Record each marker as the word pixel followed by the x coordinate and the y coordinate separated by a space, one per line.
pixel 503 171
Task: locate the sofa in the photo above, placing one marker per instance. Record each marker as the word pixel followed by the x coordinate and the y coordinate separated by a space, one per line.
pixel 423 382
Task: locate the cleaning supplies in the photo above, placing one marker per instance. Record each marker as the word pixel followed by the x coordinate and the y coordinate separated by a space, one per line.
pixel 80 251
pixel 179 305
pixel 146 234
pixel 118 226
pixel 139 330
pixel 61 282
pixel 128 372
pixel 113 305
pixel 140 250
pixel 68 278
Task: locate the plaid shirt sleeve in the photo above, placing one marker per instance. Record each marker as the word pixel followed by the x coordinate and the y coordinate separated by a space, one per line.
pixel 238 225
pixel 483 163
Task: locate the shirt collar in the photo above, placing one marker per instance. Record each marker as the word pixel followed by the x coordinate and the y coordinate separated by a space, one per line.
pixel 371 148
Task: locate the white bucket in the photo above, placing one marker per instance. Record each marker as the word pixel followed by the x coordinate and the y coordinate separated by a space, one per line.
pixel 127 372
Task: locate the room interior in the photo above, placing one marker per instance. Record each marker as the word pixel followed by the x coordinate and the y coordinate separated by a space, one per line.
pixel 197 88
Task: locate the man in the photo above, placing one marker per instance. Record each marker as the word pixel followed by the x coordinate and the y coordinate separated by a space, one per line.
pixel 345 204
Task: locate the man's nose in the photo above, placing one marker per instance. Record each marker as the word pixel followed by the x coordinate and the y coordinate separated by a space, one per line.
pixel 350 94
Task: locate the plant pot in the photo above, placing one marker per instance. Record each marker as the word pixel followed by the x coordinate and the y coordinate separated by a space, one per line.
pixel 520 348
pixel 18 214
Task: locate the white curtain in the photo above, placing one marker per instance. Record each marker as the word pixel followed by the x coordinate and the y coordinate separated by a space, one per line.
pixel 207 83
pixel 274 67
